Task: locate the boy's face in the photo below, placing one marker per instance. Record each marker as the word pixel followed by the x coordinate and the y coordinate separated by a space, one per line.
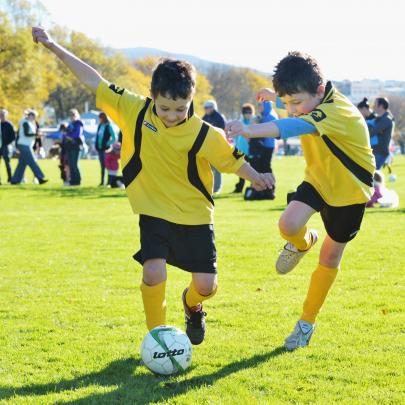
pixel 302 103
pixel 170 111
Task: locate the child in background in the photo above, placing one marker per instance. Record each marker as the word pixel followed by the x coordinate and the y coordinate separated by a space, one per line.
pixel 384 197
pixel 112 157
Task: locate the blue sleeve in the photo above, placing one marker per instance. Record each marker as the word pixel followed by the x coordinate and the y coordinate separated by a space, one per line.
pixel 290 127
pixel 279 103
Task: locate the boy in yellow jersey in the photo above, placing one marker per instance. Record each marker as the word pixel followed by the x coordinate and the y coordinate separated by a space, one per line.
pixel 166 155
pixel 338 175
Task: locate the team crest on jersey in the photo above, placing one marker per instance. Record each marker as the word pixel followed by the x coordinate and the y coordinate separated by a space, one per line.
pixel 318 115
pixel 116 89
pixel 237 154
pixel 150 126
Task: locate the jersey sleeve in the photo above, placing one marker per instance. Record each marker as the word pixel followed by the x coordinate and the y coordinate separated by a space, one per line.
pixel 220 153
pixel 118 103
pixel 326 119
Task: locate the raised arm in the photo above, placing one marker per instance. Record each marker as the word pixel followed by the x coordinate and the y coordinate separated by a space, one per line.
pixel 85 73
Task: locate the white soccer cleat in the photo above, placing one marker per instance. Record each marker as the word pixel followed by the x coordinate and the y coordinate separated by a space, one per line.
pixel 300 336
pixel 290 255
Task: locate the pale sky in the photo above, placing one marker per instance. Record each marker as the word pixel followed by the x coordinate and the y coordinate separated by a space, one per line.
pixel 351 39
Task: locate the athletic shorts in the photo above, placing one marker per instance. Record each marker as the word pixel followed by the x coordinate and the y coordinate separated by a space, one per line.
pixel 189 247
pixel 341 223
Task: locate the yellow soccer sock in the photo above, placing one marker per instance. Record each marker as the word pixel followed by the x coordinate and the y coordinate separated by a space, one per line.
pixel 301 240
pixel 154 304
pixel 321 281
pixel 193 297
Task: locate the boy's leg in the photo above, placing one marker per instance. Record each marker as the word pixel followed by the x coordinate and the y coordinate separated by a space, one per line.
pixel 293 229
pixel 322 278
pixel 321 282
pixel 202 287
pixel 153 290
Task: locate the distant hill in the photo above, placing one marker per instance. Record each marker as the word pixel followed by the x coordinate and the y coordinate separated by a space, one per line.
pixel 202 65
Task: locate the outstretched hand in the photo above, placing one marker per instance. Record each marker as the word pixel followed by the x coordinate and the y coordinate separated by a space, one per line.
pixel 265 94
pixel 264 181
pixel 236 128
pixel 39 35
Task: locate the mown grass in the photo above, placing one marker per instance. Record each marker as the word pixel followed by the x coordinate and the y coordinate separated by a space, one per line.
pixel 71 318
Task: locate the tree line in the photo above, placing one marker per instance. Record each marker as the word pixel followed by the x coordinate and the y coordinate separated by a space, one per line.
pixel 31 78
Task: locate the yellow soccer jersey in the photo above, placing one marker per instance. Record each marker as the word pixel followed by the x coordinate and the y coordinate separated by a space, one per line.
pixel 167 171
pixel 340 163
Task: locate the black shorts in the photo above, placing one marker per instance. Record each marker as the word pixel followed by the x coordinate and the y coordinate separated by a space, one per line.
pixel 189 247
pixel 341 223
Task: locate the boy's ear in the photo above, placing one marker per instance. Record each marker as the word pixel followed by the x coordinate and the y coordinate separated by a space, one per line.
pixel 320 92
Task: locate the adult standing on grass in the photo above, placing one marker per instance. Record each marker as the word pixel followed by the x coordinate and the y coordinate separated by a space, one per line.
pixel 73 145
pixel 338 175
pixel 166 154
pixel 7 136
pixel 383 129
pixel 213 117
pixel 26 138
pixel 105 137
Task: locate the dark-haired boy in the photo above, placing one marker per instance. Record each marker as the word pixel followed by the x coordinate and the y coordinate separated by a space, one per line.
pixel 338 176
pixel 166 154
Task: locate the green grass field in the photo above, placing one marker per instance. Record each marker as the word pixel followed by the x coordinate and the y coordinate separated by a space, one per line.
pixel 71 317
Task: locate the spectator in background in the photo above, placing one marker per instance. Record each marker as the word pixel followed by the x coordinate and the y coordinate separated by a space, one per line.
pixel 73 144
pixel 26 138
pixel 213 117
pixel 63 158
pixel 366 111
pixel 112 157
pixel 38 147
pixel 104 139
pixel 261 149
pixel 7 136
pixel 241 143
pixel 369 116
pixel 383 128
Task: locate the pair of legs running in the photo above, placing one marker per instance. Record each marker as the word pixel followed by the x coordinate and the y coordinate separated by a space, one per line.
pixel 202 287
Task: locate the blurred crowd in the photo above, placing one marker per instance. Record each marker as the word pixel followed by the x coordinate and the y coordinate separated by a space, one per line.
pixel 25 142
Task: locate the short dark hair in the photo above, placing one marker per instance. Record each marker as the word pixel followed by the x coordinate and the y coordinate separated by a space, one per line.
pixel 296 73
pixel 248 108
pixel 383 102
pixel 173 78
pixel 364 103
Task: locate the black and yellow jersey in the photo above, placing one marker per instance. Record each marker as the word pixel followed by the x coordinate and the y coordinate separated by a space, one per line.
pixel 340 163
pixel 167 171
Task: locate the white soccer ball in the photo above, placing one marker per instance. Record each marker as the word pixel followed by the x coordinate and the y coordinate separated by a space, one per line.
pixel 392 177
pixel 166 350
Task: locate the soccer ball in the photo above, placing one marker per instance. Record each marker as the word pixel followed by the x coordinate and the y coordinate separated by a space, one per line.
pixel 166 350
pixel 392 177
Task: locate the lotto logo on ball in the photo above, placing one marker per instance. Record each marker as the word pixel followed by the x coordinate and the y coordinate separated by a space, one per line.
pixel 166 350
pixel 170 353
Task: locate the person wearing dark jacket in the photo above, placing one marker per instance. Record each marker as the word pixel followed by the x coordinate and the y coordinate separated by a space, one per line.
pixel 383 128
pixel 213 117
pixel 261 152
pixel 104 139
pixel 7 136
pixel 73 144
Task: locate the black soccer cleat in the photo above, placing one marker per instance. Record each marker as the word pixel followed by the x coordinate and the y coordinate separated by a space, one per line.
pixel 195 321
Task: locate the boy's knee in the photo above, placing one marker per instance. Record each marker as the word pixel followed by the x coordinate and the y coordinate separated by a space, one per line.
pixel 205 286
pixel 154 272
pixel 287 227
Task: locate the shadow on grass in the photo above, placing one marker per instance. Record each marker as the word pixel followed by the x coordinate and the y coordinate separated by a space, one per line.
pixel 373 211
pixel 136 389
pixel 80 192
